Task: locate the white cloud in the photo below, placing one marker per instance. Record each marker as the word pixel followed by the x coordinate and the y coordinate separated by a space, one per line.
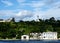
pixel 7 3
pixel 52 13
pixel 24 14
pixel 39 4
pixel 21 1
pixel 57 5
pixel 36 4
pixel 31 3
pixel 18 15
pixel 50 1
pixel 7 13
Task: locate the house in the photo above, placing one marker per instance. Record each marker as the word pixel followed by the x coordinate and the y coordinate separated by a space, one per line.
pixel 40 36
pixel 1 20
pixel 25 37
pixel 49 35
pixel 8 20
pixel 35 36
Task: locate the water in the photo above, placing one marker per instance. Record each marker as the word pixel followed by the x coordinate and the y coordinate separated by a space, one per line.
pixel 30 41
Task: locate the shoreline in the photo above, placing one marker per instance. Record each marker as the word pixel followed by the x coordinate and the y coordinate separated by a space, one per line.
pixel 9 39
pixel 33 39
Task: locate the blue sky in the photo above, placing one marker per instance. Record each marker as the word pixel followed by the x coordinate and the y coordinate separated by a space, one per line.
pixel 29 9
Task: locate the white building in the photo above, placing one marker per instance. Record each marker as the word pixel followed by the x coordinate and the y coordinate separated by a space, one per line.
pixel 35 36
pixel 8 20
pixel 1 20
pixel 49 35
pixel 24 37
pixel 40 36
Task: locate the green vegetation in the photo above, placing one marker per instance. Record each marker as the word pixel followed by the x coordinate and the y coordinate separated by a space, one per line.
pixel 16 29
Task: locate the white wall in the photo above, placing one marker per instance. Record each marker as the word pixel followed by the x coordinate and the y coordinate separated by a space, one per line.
pixel 22 37
pixel 49 35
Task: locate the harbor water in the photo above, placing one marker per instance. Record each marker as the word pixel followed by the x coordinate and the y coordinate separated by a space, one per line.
pixel 30 41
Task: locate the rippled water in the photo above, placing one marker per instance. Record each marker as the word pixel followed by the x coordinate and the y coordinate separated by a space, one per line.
pixel 30 41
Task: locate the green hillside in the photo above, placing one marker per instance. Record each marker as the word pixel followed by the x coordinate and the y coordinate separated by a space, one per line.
pixel 16 29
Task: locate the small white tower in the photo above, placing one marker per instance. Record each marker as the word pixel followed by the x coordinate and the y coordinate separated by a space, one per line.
pixel 24 37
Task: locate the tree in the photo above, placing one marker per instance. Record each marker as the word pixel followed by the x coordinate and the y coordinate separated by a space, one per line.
pixel 21 21
pixel 48 28
pixel 13 20
pixel 52 20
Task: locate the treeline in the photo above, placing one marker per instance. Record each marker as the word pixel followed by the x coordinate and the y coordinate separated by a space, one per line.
pixel 16 29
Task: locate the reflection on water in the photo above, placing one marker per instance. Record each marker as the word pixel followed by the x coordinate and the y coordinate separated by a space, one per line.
pixel 31 41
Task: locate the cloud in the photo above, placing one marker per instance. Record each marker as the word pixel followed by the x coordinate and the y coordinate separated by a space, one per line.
pixel 7 14
pixel 36 4
pixel 50 2
pixel 20 15
pixel 41 3
pixel 57 5
pixel 21 1
pixel 32 3
pixel 24 14
pixel 7 3
pixel 52 13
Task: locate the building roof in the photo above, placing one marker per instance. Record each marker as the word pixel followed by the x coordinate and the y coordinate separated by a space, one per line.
pixel 25 35
pixel 1 19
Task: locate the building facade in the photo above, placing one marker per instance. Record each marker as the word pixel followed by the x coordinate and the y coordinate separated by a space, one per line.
pixel 1 20
pixel 35 36
pixel 49 35
pixel 25 37
pixel 8 20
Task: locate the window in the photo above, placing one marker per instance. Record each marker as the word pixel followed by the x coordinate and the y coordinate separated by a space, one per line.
pixel 24 37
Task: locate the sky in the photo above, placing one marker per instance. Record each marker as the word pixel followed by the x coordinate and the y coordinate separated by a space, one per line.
pixel 29 9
